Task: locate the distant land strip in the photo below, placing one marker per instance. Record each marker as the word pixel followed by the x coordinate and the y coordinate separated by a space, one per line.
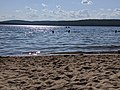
pixel 86 22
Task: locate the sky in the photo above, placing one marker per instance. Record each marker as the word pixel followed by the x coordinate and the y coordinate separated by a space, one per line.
pixel 39 10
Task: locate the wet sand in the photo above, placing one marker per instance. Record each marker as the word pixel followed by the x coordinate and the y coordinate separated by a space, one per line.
pixel 60 72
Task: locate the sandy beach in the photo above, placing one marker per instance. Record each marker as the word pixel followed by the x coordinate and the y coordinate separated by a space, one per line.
pixel 60 72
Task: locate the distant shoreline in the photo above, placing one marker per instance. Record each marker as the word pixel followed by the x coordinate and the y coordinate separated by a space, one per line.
pixel 95 52
pixel 87 22
pixel 65 53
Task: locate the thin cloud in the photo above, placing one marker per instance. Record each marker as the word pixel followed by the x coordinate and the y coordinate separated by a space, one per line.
pixel 86 2
pixel 2 17
pixel 18 11
pixel 10 17
pixel 63 14
pixel 116 13
pixel 58 7
pixel 29 9
pixel 29 13
pixel 44 5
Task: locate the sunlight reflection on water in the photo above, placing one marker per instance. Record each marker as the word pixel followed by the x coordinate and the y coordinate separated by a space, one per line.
pixel 29 39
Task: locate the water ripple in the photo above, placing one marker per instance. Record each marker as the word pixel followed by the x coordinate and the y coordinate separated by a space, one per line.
pixel 19 40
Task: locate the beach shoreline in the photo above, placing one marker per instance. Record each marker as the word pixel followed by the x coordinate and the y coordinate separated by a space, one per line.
pixel 60 72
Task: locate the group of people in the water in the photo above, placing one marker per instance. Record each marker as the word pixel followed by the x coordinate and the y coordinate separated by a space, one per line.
pixel 117 31
pixel 66 30
pixel 70 31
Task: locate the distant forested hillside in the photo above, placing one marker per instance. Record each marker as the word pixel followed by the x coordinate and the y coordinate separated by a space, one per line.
pixel 88 22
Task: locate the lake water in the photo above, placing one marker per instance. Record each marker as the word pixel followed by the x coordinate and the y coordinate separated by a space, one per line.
pixel 28 39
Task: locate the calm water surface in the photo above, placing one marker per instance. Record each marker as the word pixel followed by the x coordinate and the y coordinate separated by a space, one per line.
pixel 22 40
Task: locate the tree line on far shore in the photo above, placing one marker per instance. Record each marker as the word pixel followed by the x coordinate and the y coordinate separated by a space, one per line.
pixel 87 22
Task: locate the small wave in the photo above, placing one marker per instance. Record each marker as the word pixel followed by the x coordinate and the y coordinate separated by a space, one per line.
pixel 32 53
pixel 102 48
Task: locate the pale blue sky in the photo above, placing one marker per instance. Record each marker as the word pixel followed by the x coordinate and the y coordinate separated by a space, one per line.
pixel 59 9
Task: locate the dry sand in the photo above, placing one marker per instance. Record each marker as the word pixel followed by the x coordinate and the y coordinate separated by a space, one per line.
pixel 60 72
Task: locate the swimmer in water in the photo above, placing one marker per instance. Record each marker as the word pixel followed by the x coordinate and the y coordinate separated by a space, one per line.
pixel 52 31
pixel 68 31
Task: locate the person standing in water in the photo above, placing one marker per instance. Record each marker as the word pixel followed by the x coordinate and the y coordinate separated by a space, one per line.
pixel 52 31
pixel 68 31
